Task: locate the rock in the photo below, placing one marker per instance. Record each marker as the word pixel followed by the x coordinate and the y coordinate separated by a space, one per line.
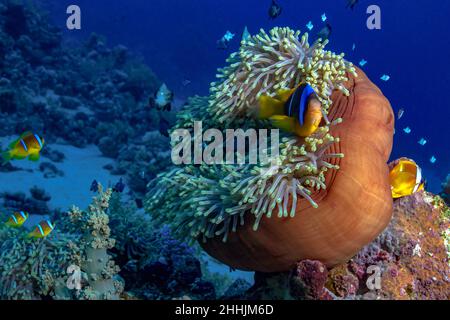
pixel 409 260
pixel 50 170
pixel 204 289
pixel 8 167
pixel 236 291
pixel 307 281
pixel 186 269
pixel 53 155
pixel 342 282
pixel 411 253
pixel 40 194
pixel 108 147
pixel 20 202
pixel 156 272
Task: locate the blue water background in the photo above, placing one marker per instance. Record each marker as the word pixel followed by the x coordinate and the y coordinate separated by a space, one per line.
pixel 177 38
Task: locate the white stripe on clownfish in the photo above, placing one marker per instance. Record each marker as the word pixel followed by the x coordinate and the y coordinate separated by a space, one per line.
pixel 40 229
pixel 24 145
pixel 38 140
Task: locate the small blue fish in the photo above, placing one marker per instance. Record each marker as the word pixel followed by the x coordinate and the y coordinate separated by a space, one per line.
pixel 324 17
pixel 422 142
pixel 246 34
pixel 94 186
pixel 433 159
pixel 229 36
pixel 353 47
pixel 274 10
pixel 363 62
pixel 224 42
pixel 400 113
pixel 119 187
pixel 407 130
pixel 310 26
pixel 385 77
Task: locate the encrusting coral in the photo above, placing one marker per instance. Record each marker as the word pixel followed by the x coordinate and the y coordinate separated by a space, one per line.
pixel 410 258
pixel 220 203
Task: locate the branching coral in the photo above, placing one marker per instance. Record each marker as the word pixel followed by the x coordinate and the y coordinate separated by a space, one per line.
pixel 33 270
pixel 97 264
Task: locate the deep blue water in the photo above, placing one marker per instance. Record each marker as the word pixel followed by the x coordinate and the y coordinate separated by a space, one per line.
pixel 178 38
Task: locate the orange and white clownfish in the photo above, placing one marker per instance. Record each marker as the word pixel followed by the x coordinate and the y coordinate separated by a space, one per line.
pixel 17 219
pixel 405 178
pixel 42 230
pixel 28 145
pixel 296 110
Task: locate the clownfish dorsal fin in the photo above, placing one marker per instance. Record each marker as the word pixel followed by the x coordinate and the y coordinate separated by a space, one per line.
pixel 14 143
pixel 26 134
pixel 284 94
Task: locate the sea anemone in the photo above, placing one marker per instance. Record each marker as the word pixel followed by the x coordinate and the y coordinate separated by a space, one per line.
pixel 353 209
pixel 318 207
pixel 266 63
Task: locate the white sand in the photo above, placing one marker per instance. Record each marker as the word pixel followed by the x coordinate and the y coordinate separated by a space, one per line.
pixel 80 167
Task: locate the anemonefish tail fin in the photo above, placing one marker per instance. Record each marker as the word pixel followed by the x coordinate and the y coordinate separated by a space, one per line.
pixel 13 144
pixel 269 107
pixel 29 235
pixel 34 157
pixel 7 156
pixel 283 122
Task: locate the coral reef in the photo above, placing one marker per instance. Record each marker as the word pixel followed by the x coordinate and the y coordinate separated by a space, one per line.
pixel 75 93
pixel 38 269
pixel 310 186
pixel 411 256
pixel 153 263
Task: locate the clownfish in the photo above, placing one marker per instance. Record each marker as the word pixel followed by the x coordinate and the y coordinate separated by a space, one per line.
pixel 28 145
pixel 42 230
pixel 405 178
pixel 17 219
pixel 297 110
